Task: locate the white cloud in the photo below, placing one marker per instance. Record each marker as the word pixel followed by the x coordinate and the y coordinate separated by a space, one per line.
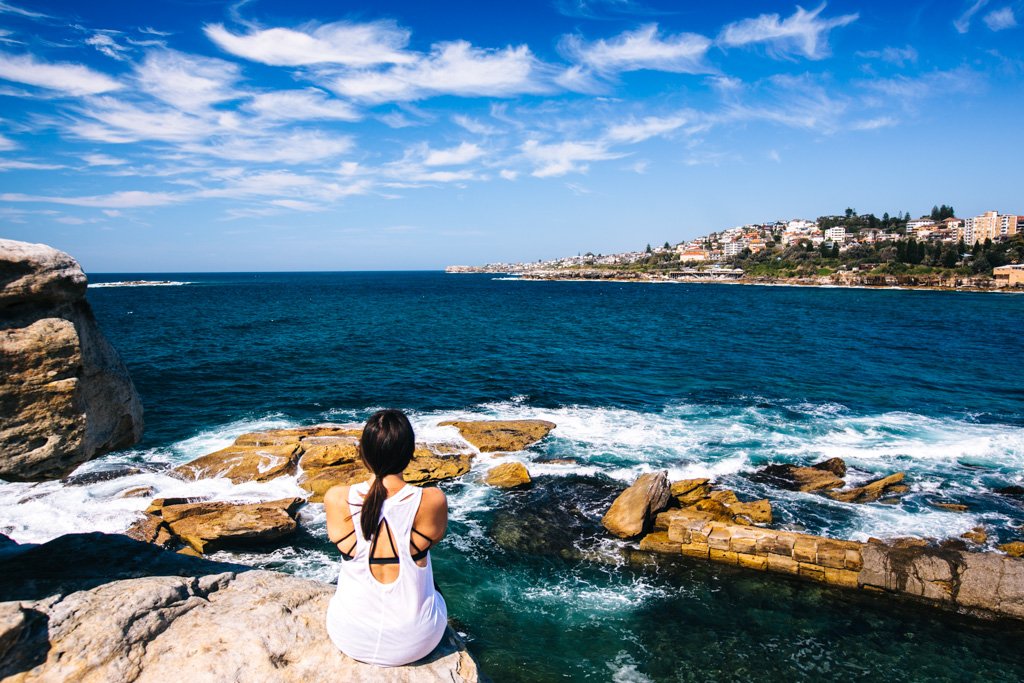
pixel 508 174
pixel 102 160
pixel 106 45
pixel 297 205
pixel 565 157
pixel 72 79
pixel 462 154
pixel 15 165
pixel 309 104
pixel 115 121
pixel 963 23
pixel 643 48
pixel 115 200
pixel 1000 19
pixel 803 32
pixel 894 55
pixel 356 45
pixel 455 68
pixel 643 129
pixel 875 123
pixel 474 125
pixel 7 144
pixel 11 9
pixel 296 147
pixel 187 82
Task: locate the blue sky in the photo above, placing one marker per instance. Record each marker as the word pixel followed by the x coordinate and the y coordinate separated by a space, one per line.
pixel 194 136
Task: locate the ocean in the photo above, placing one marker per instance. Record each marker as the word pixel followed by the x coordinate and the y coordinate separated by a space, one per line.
pixel 698 379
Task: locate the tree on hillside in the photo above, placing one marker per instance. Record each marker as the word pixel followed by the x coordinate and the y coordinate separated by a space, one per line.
pixel 667 245
pixel 648 250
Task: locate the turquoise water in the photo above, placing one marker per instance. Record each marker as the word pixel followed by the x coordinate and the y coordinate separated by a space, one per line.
pixel 702 380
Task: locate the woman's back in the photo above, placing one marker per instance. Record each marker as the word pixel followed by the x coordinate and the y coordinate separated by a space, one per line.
pixel 386 610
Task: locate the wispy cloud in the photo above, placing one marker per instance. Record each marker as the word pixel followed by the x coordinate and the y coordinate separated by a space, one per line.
pixel 115 200
pixel 644 48
pixel 6 7
pixel 899 56
pixel 963 23
pixel 309 104
pixel 349 44
pixel 103 160
pixel 71 79
pixel 453 156
pixel 187 82
pixel 17 165
pixel 105 44
pixel 802 33
pixel 638 130
pixel 1000 19
pixel 556 159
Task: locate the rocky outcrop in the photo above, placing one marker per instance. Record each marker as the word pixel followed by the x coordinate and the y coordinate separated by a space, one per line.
pixel 322 455
pixel 689 491
pixel 184 619
pixel 491 436
pixel 820 477
pixel 207 526
pixel 65 395
pixel 886 487
pixel 509 475
pixel 634 510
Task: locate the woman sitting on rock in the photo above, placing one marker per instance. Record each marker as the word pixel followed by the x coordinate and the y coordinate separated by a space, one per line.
pixel 386 610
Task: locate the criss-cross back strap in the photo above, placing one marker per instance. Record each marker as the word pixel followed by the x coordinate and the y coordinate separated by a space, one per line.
pixel 420 552
pixel 351 552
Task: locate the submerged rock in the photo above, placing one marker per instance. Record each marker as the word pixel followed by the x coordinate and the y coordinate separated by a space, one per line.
pixel 886 486
pixel 501 435
pixel 217 622
pixel 66 393
pixel 633 511
pixel 508 476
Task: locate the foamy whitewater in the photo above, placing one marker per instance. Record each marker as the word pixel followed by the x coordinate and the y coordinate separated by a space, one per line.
pixel 700 380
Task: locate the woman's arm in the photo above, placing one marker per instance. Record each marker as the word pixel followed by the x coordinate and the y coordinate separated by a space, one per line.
pixel 432 517
pixel 339 518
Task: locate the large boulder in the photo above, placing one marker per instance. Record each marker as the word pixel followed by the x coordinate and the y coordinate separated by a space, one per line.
pixel 822 476
pixel 243 463
pixel 65 395
pixel 508 475
pixel 633 511
pixel 209 525
pixel 889 486
pixel 220 623
pixel 491 436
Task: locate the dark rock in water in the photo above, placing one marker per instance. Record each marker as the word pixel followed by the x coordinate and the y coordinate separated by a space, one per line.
pixel 66 393
pixel 836 466
pixel 99 475
pixel 1010 490
pixel 558 516
pixel 820 477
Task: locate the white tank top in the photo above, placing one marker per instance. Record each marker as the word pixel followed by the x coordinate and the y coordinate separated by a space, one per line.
pixel 387 624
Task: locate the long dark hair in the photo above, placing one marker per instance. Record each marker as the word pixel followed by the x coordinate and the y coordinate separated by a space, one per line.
pixel 387 445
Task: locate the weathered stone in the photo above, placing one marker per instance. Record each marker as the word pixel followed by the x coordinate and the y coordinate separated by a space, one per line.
pixel 720 512
pixel 243 463
pixel 508 475
pixel 329 451
pixel 797 478
pixel 725 497
pixel 757 512
pixel 634 510
pixel 247 627
pixel 976 535
pixel 66 395
pixel 758 562
pixel 873 490
pixel 151 529
pixel 501 435
pixel 319 481
pixel 1013 549
pixel 429 466
pixel 659 542
pixel 952 507
pixel 137 492
pixel 211 525
pixel 689 491
pixel 836 466
pixel 723 556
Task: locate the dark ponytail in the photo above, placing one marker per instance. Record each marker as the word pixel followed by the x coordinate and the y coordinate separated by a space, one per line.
pixel 387 445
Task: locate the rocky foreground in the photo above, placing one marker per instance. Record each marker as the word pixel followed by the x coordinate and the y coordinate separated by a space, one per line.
pixel 106 609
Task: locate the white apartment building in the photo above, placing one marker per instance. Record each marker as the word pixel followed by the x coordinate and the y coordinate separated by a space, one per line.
pixel 837 234
pixel 733 248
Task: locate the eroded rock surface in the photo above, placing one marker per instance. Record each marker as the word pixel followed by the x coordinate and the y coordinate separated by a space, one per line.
pixel 633 511
pixel 501 435
pixel 508 475
pixel 66 395
pixel 822 476
pixel 223 623
pixel 891 485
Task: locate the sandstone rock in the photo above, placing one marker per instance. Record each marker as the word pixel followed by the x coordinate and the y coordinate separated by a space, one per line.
pixel 716 510
pixel 634 510
pixel 223 624
pixel 820 477
pixel 689 491
pixel 151 529
pixel 872 491
pixel 976 535
pixel 724 496
pixel 508 475
pixel 66 394
pixel 137 492
pixel 211 525
pixel 329 451
pixel 243 463
pixel 952 507
pixel 501 435
pixel 317 482
pixel 1013 549
pixel 430 466
pixel 756 512
pixel 836 466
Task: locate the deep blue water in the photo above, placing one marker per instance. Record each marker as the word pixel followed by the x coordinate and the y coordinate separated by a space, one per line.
pixel 700 379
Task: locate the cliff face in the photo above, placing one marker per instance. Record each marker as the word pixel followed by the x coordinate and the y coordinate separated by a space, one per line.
pixel 65 394
pixel 103 608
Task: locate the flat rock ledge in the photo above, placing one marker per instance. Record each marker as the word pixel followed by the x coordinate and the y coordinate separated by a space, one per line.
pixel 238 625
pixel 982 584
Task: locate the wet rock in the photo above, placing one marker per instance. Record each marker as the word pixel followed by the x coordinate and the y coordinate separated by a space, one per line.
pixel 317 482
pixel 210 525
pixel 754 512
pixel 716 510
pixel 836 466
pixel 152 529
pixel 633 511
pixel 501 435
pixel 101 475
pixel 820 477
pixel 66 394
pixel 1010 490
pixel 137 492
pixel 724 496
pixel 508 476
pixel 1013 549
pixel 221 623
pixel 689 491
pixel 976 535
pixel 872 491
pixel 952 507
pixel 243 463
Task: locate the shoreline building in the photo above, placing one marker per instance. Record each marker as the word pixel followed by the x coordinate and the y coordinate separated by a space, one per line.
pixel 991 225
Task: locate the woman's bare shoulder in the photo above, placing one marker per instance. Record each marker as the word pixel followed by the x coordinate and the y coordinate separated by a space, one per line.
pixel 336 495
pixel 434 497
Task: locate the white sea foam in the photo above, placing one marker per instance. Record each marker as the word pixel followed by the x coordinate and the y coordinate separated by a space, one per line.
pixel 139 283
